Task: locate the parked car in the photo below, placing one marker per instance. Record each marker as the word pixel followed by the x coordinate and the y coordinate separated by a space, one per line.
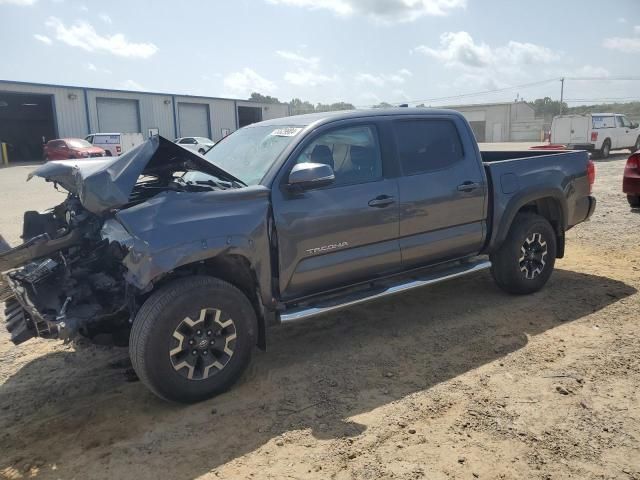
pixel 115 143
pixel 67 148
pixel 596 132
pixel 285 219
pixel 631 179
pixel 198 144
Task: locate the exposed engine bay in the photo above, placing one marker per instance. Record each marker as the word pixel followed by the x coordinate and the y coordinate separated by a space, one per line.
pixel 68 277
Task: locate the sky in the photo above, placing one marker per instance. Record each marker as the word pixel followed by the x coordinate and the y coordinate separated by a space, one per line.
pixel 437 52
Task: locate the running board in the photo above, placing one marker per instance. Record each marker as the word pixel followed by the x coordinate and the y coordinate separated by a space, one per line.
pixel 458 270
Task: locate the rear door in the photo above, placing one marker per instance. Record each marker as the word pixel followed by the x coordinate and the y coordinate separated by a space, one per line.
pixel 346 232
pixel 561 130
pixel 580 126
pixel 442 191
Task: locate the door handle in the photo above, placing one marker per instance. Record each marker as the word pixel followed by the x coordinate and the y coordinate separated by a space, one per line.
pixel 381 201
pixel 468 186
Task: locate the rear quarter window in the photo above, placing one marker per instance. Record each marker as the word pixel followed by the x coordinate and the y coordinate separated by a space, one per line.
pixel 427 145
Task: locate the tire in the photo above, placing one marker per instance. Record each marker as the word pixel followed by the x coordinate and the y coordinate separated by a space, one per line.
pixel 108 152
pixel 636 147
pixel 167 365
pixel 606 149
pixel 520 265
pixel 634 201
pixel 201 151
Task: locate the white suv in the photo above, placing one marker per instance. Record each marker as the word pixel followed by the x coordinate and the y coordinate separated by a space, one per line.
pixel 596 132
pixel 199 144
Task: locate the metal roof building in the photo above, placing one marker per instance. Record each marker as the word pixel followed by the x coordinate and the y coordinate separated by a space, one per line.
pixel 31 113
pixel 502 122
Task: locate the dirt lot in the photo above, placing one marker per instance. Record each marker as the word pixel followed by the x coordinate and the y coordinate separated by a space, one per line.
pixel 456 381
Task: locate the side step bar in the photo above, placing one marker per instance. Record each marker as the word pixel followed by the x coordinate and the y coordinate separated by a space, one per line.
pixel 428 278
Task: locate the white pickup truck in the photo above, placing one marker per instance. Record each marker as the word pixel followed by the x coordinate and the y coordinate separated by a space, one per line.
pixel 596 132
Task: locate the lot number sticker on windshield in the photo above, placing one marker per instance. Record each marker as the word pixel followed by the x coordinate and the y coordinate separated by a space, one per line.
pixel 286 132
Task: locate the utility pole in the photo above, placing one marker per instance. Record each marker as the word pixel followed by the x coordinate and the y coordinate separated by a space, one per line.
pixel 561 94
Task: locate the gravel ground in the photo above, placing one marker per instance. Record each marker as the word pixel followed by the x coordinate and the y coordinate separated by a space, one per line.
pixel 456 381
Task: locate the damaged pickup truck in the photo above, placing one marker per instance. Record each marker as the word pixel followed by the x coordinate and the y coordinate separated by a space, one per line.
pixel 190 258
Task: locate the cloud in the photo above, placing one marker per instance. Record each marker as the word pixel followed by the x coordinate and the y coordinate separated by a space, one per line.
pixel 385 11
pixel 621 20
pixel 628 45
pixel 92 68
pixel 246 81
pixel 83 35
pixel 19 3
pixel 131 85
pixel 105 18
pixel 43 38
pixel 591 71
pixel 383 79
pixel 308 78
pixel 458 49
pixel 307 73
pixel 296 57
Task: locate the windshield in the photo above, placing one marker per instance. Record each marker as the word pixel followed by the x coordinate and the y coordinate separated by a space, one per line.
pixel 249 152
pixel 77 143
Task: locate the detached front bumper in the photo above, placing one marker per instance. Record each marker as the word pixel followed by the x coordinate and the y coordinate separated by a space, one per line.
pixel 22 320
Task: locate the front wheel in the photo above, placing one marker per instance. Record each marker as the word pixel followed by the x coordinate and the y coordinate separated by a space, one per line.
pixel 636 146
pixel 193 338
pixel 606 149
pixel 524 262
pixel 634 201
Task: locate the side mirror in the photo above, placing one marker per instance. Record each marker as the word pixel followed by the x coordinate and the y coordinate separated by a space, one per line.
pixel 307 176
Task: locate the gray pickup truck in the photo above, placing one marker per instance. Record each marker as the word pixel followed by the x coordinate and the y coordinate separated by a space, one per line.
pixel 190 258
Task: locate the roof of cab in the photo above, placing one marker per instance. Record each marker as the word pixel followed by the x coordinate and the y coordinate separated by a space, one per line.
pixel 325 117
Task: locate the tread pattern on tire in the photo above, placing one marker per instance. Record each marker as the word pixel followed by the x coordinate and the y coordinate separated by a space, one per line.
pixel 502 267
pixel 151 309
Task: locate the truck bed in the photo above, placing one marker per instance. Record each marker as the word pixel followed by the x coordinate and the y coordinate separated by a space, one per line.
pixel 514 176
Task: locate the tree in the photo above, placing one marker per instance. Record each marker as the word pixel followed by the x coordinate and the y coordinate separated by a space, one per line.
pixel 383 105
pixel 546 107
pixel 258 97
pixel 299 107
pixel 320 107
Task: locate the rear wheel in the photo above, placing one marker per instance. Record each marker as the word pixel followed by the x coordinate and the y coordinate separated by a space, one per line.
pixel 108 153
pixel 524 262
pixel 634 200
pixel 193 338
pixel 606 148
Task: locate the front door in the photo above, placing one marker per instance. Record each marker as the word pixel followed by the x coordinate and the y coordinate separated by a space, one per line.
pixel 442 192
pixel 346 232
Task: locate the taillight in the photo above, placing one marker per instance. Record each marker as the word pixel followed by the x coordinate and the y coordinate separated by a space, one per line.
pixel 633 162
pixel 591 174
pixel 594 136
pixel 118 149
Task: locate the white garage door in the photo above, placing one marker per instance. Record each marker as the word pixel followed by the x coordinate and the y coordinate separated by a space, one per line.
pixel 118 115
pixel 194 120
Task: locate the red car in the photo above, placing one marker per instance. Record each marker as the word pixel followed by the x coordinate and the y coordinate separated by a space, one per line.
pixel 66 148
pixel 631 179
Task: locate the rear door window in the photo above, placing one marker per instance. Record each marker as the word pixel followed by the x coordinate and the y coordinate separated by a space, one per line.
pixel 603 121
pixel 427 145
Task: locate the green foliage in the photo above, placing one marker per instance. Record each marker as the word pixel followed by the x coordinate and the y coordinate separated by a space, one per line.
pixel 300 107
pixel 546 107
pixel 258 97
pixel 630 109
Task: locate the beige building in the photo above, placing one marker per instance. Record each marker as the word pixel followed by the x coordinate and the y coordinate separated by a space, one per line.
pixel 502 122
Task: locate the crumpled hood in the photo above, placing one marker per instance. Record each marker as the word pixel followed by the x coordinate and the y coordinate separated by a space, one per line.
pixel 105 184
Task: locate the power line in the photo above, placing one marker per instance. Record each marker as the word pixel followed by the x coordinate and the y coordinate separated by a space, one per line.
pixel 475 94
